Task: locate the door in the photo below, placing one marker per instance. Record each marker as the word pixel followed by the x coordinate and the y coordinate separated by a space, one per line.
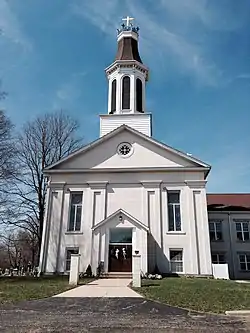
pixel 120 258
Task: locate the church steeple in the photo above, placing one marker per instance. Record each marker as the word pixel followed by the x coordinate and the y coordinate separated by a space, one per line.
pixel 127 77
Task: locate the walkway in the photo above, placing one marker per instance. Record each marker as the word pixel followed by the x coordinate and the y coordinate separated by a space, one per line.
pixel 103 288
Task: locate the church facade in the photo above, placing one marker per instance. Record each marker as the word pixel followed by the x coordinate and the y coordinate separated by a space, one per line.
pixel 126 191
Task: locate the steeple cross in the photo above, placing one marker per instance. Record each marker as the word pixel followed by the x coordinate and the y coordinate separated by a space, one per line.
pixel 128 19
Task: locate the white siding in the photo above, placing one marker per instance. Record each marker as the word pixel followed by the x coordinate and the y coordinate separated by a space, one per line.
pixel 139 121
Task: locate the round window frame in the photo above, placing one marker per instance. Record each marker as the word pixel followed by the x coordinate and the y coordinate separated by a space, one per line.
pixel 127 144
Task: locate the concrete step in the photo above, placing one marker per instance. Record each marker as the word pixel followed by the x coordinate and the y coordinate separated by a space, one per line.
pixel 119 275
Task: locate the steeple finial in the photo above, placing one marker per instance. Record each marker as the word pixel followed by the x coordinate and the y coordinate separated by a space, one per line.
pixel 128 19
pixel 128 26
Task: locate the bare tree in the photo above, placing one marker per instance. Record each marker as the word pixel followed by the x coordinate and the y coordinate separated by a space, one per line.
pixel 42 142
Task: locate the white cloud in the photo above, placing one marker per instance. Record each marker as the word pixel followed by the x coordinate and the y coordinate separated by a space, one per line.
pixel 10 26
pixel 159 40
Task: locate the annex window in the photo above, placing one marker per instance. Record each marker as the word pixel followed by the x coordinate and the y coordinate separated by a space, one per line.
pixel 244 261
pixel 75 212
pixel 113 97
pixel 139 95
pixel 242 230
pixel 176 261
pixel 126 93
pixel 215 230
pixel 218 258
pixel 174 211
pixel 70 251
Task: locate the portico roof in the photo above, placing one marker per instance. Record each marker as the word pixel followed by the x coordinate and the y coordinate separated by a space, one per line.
pixel 120 212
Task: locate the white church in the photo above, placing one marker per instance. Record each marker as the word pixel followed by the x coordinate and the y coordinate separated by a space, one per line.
pixel 127 192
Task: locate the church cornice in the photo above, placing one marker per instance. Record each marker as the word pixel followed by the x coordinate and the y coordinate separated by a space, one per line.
pixel 132 169
pixel 133 64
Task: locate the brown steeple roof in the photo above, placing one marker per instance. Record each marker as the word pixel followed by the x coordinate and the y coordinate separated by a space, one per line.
pixel 128 49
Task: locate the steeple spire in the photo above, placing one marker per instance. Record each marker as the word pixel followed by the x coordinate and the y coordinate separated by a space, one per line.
pixel 127 77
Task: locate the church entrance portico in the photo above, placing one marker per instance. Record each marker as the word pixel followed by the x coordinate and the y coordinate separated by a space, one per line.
pixel 117 238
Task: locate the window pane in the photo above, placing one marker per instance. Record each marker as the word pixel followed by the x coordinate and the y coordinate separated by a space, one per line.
pixel 246 235
pixel 218 226
pixel 238 226
pixel 120 235
pixel 219 235
pixel 175 255
pixel 173 197
pixel 214 259
pixel 211 226
pixel 242 257
pixel 78 218
pixel 72 218
pixel 243 266
pixel 221 259
pixel 170 218
pixel 113 97
pixel 68 256
pixel 139 95
pixel 239 236
pixel 177 218
pixel 248 257
pixel 126 93
pixel 245 226
pixel 76 199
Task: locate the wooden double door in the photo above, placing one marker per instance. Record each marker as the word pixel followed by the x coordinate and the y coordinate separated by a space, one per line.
pixel 120 258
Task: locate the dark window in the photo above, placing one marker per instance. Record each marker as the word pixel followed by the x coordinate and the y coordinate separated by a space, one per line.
pixel 70 251
pixel 75 212
pixel 176 261
pixel 174 211
pixel 113 97
pixel 218 258
pixel 244 261
pixel 215 230
pixel 139 95
pixel 242 231
pixel 126 93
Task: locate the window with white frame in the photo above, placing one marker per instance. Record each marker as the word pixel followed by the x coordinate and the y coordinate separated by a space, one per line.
pixel 244 261
pixel 242 230
pixel 215 230
pixel 69 251
pixel 174 211
pixel 176 261
pixel 218 258
pixel 75 212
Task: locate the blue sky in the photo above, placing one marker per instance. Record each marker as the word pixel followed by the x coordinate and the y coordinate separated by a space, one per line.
pixel 53 55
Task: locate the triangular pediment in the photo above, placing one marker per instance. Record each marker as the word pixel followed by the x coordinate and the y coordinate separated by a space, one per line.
pixel 120 215
pixel 146 153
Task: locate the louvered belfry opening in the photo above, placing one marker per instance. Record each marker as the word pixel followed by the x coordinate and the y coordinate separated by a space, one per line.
pixel 139 107
pixel 126 93
pixel 113 96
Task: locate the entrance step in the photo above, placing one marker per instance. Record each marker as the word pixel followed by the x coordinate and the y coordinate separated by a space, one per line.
pixel 119 275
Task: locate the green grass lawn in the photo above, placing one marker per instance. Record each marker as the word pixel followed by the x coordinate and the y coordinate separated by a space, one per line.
pixel 17 289
pixel 206 295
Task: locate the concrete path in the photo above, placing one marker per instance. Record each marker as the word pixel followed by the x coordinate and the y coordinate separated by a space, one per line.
pixel 103 288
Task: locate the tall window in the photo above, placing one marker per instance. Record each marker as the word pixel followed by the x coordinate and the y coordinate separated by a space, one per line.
pixel 75 212
pixel 174 211
pixel 242 230
pixel 176 261
pixel 113 97
pixel 218 258
pixel 69 251
pixel 215 230
pixel 139 95
pixel 126 93
pixel 244 261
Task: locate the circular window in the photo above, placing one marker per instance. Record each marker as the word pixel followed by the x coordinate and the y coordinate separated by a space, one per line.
pixel 125 149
